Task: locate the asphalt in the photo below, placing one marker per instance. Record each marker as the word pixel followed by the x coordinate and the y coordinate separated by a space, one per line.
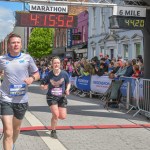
pixel 88 126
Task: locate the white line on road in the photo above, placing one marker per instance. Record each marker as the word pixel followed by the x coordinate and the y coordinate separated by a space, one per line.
pixel 53 144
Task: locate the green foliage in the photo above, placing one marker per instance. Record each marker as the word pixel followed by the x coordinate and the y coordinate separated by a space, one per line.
pixel 41 42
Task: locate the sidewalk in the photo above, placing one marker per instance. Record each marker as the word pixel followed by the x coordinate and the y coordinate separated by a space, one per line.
pixel 88 127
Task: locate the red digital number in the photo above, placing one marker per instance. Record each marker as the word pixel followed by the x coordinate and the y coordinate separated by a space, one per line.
pixel 45 20
pixel 24 19
pixel 34 19
pixel 60 20
pixel 52 21
pixel 69 22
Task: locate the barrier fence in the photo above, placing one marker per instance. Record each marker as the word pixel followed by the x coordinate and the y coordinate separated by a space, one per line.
pixel 136 93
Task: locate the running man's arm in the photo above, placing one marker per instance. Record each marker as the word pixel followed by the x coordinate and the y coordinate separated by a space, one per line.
pixel 34 77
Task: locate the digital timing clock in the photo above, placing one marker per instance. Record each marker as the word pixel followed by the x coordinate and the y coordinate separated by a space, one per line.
pixel 122 22
pixel 25 19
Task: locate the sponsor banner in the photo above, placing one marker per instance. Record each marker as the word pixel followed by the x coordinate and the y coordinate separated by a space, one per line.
pixel 100 84
pixel 73 81
pixel 141 89
pixel 83 83
pixel 48 8
pixel 133 85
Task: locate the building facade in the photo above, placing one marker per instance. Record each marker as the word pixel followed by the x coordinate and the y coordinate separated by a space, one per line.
pixel 80 36
pixel 114 42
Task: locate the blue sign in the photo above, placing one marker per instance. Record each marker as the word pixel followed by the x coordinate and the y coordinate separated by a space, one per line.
pixel 69 38
pixel 124 86
pixel 83 83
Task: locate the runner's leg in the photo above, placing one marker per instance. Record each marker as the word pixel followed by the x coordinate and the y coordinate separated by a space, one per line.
pixel 8 131
pixel 55 114
pixel 62 113
pixel 16 128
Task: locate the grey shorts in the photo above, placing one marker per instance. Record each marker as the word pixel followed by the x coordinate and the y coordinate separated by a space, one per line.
pixel 16 109
pixel 60 101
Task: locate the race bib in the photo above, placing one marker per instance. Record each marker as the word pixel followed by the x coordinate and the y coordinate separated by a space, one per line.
pixel 56 91
pixel 17 89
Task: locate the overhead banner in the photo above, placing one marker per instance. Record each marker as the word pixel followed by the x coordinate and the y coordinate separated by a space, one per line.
pixel 48 8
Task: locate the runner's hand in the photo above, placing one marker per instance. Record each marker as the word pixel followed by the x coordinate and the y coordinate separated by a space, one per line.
pixel 29 80
pixel 67 92
pixel 44 87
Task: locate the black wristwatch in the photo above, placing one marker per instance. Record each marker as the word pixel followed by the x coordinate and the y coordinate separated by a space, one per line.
pixel 32 77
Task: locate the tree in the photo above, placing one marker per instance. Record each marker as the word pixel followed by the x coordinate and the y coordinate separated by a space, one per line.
pixel 41 42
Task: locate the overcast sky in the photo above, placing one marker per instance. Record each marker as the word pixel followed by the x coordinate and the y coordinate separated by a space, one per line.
pixel 7 17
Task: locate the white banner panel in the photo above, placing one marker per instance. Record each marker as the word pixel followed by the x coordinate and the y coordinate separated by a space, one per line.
pixel 48 8
pixel 100 84
pixel 73 80
pixel 129 11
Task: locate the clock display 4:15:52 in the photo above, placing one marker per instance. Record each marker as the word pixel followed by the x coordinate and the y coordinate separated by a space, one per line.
pixel 46 20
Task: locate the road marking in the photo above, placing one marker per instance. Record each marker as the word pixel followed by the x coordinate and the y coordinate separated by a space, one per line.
pixel 53 144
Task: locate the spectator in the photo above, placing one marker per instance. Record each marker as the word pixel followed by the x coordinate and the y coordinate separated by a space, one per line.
pixel 110 67
pixel 137 71
pixel 107 61
pixel 116 67
pixel 100 71
pixel 121 71
pixel 129 70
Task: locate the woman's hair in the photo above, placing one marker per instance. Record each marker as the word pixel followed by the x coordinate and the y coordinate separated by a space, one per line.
pixel 136 67
pixel 55 57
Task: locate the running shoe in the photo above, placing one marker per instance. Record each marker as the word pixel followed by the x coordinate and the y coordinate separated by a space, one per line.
pixel 53 134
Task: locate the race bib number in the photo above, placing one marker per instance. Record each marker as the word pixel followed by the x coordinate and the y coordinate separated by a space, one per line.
pixel 17 89
pixel 56 91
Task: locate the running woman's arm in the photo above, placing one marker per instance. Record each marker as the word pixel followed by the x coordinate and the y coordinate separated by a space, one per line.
pixel 68 89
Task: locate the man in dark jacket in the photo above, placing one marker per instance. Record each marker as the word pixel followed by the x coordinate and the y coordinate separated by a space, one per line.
pixel 129 70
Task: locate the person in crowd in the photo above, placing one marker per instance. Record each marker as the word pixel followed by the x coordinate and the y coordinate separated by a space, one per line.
pixel 120 60
pixel 14 87
pixel 137 71
pixel 111 66
pixel 101 55
pixel 107 61
pixel 44 72
pixel 76 69
pixel 58 85
pixel 133 62
pixel 100 71
pixel 1 76
pixel 129 70
pixel 69 68
pixel 139 59
pixel 117 65
pixel 121 70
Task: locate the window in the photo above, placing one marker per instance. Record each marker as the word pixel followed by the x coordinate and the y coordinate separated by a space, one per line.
pixel 125 49
pixel 94 17
pixel 94 51
pixel 83 34
pixel 137 49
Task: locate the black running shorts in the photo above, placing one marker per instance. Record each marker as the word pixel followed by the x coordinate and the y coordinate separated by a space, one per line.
pixel 16 109
pixel 60 101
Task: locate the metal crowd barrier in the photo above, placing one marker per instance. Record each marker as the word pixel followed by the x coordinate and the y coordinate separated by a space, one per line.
pixel 131 86
pixel 144 97
pixel 136 92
